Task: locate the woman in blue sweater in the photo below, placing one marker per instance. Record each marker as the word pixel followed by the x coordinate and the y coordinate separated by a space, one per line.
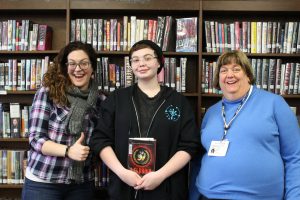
pixel 251 138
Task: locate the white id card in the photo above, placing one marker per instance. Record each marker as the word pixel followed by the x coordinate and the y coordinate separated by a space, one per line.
pixel 218 148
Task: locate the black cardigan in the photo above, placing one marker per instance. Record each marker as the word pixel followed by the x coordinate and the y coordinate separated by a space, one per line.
pixel 174 128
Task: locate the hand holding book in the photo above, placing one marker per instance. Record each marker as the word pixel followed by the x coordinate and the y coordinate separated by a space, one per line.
pixel 141 155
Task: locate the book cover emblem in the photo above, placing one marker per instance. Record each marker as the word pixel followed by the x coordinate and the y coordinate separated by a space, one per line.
pixel 141 155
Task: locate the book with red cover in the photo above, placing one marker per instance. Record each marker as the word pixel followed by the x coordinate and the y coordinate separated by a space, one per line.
pixel 186 34
pixel 141 155
pixel 44 38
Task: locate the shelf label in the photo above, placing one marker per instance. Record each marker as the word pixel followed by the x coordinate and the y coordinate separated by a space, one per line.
pixel 3 92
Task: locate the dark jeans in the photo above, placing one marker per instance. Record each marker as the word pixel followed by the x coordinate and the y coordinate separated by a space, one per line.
pixel 47 191
pixel 205 198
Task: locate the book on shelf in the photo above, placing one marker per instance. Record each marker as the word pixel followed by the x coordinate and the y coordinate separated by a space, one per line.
pixel 89 31
pixel 161 77
pixel 99 74
pixel 83 30
pixel 112 77
pixel 172 72
pixel 100 35
pixel 105 68
pixel 15 119
pixel 167 33
pixel 178 78
pixel 6 120
pixel 271 75
pixel 183 63
pixel 11 166
pixel 2 76
pixel 294 38
pixel 129 77
pixel 254 33
pixel 24 122
pixel 44 37
pixel 278 76
pixel 186 34
pixel 141 155
pixel 208 35
pixel 292 78
pixel 161 21
pixel 1 121
pixel 297 79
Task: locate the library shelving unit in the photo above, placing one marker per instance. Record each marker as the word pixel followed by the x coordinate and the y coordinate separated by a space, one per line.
pixel 229 11
pixel 59 13
pixel 52 13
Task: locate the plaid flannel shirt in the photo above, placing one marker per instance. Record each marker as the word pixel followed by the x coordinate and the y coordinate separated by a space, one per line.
pixel 47 122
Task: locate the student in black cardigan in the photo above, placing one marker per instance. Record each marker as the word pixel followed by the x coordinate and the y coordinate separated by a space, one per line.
pixel 147 109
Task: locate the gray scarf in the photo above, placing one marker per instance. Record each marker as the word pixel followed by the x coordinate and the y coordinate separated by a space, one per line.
pixel 81 102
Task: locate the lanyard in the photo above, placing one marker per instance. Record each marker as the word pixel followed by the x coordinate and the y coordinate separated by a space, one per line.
pixel 243 102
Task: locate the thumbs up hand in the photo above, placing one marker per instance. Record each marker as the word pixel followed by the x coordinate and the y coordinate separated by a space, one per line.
pixel 78 151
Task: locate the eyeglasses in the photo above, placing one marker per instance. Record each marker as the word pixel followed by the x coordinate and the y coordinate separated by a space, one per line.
pixel 234 70
pixel 82 65
pixel 147 59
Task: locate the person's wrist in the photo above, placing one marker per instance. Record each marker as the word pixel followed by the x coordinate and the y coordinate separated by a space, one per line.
pixel 67 152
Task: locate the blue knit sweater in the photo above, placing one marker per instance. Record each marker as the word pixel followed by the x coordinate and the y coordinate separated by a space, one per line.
pixel 263 158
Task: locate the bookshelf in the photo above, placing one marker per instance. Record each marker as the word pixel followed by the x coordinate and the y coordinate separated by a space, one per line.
pixel 59 13
pixel 228 11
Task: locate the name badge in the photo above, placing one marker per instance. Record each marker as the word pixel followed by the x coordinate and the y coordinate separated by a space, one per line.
pixel 218 148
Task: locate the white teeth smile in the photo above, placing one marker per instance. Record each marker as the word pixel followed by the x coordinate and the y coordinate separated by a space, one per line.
pixel 231 82
pixel 78 76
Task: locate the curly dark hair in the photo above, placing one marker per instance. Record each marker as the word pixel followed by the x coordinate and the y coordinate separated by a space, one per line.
pixel 56 79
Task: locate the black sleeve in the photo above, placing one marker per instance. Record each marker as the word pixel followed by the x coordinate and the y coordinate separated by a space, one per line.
pixel 103 134
pixel 189 134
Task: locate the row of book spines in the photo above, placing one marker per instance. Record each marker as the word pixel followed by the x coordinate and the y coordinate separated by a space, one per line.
pixel 101 175
pixel 24 35
pixel 208 72
pixel 24 74
pixel 112 76
pixel 277 77
pixel 116 35
pixel 27 74
pixel 270 74
pixel 12 166
pixel 253 37
pixel 14 120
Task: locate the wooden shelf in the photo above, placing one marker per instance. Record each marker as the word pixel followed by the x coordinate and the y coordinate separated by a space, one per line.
pixel 14 144
pixel 29 52
pixel 14 140
pixel 180 5
pixel 11 186
pixel 255 5
pixel 267 55
pixel 34 5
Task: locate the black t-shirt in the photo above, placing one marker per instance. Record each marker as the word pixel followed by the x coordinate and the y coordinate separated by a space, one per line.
pixel 146 107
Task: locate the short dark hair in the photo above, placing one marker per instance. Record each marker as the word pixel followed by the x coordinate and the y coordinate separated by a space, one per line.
pixel 236 57
pixel 142 44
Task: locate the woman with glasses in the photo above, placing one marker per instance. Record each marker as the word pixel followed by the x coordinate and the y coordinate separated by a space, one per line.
pixel 61 124
pixel 251 138
pixel 147 110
